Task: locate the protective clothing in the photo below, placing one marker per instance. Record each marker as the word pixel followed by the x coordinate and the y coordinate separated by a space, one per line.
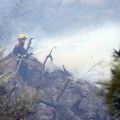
pixel 19 49
pixel 20 52
pixel 21 36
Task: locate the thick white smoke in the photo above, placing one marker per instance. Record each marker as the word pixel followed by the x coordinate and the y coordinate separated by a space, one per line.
pixel 83 49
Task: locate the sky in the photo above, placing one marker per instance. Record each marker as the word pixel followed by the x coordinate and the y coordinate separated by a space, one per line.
pixel 83 31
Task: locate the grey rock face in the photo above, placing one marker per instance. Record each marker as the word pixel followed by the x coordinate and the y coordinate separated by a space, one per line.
pixel 61 98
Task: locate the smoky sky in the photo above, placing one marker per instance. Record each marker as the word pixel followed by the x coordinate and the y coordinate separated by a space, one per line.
pixel 59 16
pixel 94 24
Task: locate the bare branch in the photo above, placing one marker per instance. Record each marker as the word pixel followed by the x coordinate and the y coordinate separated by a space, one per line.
pixel 66 71
pixel 92 68
pixel 63 90
pixel 45 61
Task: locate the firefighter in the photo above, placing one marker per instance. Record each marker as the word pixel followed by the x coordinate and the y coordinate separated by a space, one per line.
pixel 20 52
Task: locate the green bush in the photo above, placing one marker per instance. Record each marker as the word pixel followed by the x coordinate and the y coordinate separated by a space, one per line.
pixel 112 98
pixel 112 89
pixel 17 102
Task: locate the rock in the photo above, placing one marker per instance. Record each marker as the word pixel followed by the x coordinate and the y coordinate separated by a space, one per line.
pixel 62 98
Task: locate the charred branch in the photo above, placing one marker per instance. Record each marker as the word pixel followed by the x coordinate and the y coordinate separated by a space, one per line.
pixel 63 90
pixel 46 59
pixel 66 71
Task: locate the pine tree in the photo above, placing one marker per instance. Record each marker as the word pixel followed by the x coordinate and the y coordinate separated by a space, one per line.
pixel 112 88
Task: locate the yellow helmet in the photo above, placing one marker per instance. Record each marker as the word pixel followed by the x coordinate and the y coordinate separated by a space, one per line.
pixel 21 36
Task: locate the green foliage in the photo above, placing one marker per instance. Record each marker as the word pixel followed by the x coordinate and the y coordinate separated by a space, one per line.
pixel 112 90
pixel 112 98
pixel 21 105
pixel 1 52
pixel 18 101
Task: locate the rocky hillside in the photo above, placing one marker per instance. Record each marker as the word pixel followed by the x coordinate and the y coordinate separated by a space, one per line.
pixel 61 97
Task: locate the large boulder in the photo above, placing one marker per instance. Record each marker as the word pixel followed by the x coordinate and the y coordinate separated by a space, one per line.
pixel 61 98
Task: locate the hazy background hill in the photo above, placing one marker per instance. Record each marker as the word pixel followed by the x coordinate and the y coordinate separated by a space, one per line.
pixel 58 16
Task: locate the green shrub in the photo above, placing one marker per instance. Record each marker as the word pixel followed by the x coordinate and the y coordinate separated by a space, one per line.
pixel 17 102
pixel 112 88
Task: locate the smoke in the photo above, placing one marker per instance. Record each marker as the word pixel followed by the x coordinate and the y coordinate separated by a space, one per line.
pixel 66 26
pixel 82 49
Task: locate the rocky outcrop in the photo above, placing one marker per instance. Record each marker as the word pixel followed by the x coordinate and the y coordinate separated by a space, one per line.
pixel 61 98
